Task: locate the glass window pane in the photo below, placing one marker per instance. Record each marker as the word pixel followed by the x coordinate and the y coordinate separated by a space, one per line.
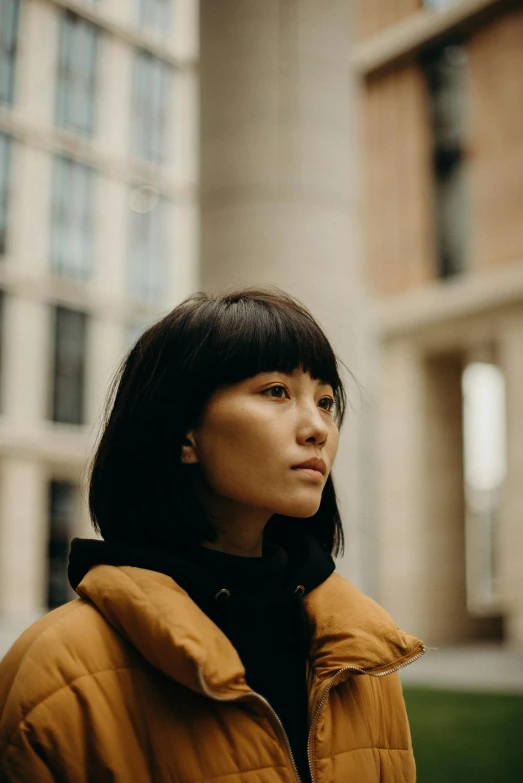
pixel 5 147
pixel 72 223
pixel 452 221
pixel 62 509
pixel 155 16
pixel 148 245
pixel 9 15
pixel 445 72
pixel 151 102
pixel 69 366
pixel 77 74
pixel 440 5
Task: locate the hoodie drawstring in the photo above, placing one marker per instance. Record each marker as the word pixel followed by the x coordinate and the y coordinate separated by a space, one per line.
pixel 226 619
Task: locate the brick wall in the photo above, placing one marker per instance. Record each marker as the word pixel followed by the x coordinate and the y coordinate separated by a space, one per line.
pixel 400 248
pixel 496 141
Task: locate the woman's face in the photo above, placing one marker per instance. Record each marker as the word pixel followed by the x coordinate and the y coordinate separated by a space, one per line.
pixel 253 434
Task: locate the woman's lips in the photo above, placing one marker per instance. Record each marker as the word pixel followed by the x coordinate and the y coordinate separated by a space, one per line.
pixel 314 463
pixel 310 473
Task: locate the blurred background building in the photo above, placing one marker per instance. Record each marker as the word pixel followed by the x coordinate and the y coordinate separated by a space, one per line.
pixel 98 235
pixel 443 178
pixel 366 156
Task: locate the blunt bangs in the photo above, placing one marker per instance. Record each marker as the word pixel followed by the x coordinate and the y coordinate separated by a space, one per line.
pixel 247 335
pixel 139 490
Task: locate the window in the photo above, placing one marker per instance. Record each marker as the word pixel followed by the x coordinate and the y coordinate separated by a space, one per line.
pixel 155 16
pixel 148 249
pixel 2 308
pixel 485 459
pixel 151 101
pixel 76 74
pixel 70 330
pixel 445 73
pixel 9 13
pixel 4 188
pixel 440 5
pixel 61 530
pixel 71 230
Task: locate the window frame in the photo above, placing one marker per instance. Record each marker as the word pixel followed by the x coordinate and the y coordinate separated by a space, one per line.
pixel 75 413
pixel 146 282
pixel 69 225
pixel 73 29
pixel 151 118
pixel 447 121
pixel 8 49
pixel 57 560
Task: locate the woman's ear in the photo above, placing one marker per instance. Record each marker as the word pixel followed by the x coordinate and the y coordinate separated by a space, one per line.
pixel 189 456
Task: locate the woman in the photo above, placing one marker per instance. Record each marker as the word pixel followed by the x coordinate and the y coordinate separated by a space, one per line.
pixel 212 640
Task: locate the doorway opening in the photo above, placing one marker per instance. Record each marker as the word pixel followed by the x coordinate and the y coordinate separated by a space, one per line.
pixel 485 467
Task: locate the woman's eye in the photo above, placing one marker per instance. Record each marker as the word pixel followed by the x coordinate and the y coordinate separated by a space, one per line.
pixel 329 403
pixel 275 391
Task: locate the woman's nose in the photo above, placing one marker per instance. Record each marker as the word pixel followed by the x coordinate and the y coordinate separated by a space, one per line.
pixel 312 425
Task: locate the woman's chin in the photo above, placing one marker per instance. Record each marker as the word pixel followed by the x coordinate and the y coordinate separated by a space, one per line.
pixel 301 510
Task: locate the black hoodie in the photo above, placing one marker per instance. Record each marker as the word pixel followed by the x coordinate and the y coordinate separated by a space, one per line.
pixel 255 601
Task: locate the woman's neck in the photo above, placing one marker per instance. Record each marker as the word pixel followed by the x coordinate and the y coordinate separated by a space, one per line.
pixel 240 527
pixel 244 543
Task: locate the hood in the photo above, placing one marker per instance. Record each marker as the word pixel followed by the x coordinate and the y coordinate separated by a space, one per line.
pixel 156 615
pixel 294 558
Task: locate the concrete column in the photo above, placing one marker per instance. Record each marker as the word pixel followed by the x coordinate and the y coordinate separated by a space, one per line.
pixel 30 211
pixel 37 63
pixel 114 96
pixel 23 539
pixel 510 537
pixel 279 192
pixel 26 365
pixel 400 487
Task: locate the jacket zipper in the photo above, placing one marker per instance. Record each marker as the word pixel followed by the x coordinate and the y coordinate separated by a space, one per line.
pixel 328 689
pixel 254 695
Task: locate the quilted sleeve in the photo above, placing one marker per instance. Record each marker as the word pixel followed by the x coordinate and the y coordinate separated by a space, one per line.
pixel 21 762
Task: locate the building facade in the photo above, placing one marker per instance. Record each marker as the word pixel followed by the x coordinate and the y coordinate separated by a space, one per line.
pixel 367 157
pixel 98 237
pixel 442 120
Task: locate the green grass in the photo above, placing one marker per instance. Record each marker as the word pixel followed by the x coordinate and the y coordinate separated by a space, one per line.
pixel 466 737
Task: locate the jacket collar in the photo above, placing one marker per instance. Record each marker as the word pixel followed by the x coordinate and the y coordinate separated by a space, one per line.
pixel 167 628
pixel 347 628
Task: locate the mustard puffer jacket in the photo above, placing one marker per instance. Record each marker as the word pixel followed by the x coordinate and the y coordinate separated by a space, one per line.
pixel 133 683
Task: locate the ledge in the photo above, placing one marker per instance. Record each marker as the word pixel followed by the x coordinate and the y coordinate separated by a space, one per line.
pixel 91 296
pixel 88 150
pixel 68 445
pixel 406 38
pixel 456 298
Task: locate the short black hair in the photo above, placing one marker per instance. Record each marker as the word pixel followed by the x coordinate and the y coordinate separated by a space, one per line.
pixel 139 491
